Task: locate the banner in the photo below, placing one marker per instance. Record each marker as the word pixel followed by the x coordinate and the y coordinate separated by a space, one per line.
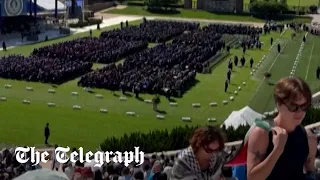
pixel 14 7
pixel 78 3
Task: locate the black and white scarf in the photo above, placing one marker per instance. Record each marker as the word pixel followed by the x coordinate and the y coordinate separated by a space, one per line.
pixel 186 167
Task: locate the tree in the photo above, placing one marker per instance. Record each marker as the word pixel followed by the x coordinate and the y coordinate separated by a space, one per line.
pixel 283 1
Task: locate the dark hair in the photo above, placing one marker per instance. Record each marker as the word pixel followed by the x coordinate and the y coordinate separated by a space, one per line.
pixel 125 171
pixel 162 156
pixel 227 172
pixel 172 157
pixel 139 175
pixel 290 88
pixel 205 135
pixel 146 167
pixel 97 175
pixel 163 176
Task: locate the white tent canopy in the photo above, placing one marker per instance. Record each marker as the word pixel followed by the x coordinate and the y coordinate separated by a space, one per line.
pixel 50 4
pixel 245 116
pixel 43 174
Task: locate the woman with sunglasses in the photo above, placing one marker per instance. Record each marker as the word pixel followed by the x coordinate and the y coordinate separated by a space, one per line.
pixel 288 149
pixel 203 159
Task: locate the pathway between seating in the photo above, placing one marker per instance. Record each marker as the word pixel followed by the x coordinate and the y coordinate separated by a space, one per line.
pixel 100 14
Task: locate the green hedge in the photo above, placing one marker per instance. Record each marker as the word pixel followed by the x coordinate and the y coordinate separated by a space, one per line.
pixel 265 7
pixel 145 3
pixel 178 138
pixel 81 24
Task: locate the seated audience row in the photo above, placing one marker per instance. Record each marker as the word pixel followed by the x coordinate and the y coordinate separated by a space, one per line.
pixel 152 31
pixel 91 49
pixel 43 70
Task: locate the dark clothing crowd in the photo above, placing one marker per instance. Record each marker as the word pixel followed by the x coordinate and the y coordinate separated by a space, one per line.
pixel 151 31
pixel 43 70
pixel 168 69
pixel 91 49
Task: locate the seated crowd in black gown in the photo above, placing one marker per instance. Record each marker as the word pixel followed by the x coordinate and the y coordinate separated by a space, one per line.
pixel 91 49
pixel 169 68
pixel 43 70
pixel 152 31
pixel 60 62
pixel 233 29
pixel 166 68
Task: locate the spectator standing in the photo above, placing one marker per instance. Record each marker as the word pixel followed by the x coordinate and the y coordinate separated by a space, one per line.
pixel 287 149
pixel 46 133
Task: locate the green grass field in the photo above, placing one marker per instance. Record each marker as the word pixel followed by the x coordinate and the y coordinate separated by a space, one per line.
pixel 281 65
pixel 23 124
pixel 185 13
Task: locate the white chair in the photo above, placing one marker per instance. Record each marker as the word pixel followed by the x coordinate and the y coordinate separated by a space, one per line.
pixel 74 93
pixel 51 104
pixel 213 104
pixel 123 99
pixel 186 119
pixel 160 117
pixel 196 105
pixel 100 96
pixel 173 104
pixel 130 113
pixel 29 88
pixel 103 110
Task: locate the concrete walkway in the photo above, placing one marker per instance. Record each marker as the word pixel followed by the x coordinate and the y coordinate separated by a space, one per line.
pixel 100 14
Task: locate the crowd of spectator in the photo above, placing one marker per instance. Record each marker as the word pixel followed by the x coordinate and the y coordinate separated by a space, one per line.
pixel 233 29
pixel 42 69
pixel 91 49
pixel 152 31
pixel 168 69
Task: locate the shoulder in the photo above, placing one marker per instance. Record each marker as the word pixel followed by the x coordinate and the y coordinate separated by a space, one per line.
pixel 258 133
pixel 258 139
pixel 182 165
pixel 312 139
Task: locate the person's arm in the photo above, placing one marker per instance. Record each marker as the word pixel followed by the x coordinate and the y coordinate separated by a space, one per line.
pixel 258 165
pixel 312 142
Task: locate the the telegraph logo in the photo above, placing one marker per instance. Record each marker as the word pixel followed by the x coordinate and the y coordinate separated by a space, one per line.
pixel 13 7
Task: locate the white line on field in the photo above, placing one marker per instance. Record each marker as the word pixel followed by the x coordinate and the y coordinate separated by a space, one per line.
pixel 274 61
pixel 310 57
pixel 270 68
pixel 283 32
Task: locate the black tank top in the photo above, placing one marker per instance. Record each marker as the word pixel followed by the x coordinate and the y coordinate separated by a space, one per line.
pixel 291 162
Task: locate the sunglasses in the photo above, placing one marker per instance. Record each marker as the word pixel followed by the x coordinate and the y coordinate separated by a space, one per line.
pixel 295 107
pixel 209 150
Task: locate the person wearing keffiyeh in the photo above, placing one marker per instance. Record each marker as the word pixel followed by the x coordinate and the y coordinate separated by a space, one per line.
pixel 203 159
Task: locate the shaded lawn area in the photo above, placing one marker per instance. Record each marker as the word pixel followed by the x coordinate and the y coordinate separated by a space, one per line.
pixel 199 14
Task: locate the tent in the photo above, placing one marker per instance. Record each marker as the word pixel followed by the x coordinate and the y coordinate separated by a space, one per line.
pixel 43 174
pixel 244 116
pixel 50 4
